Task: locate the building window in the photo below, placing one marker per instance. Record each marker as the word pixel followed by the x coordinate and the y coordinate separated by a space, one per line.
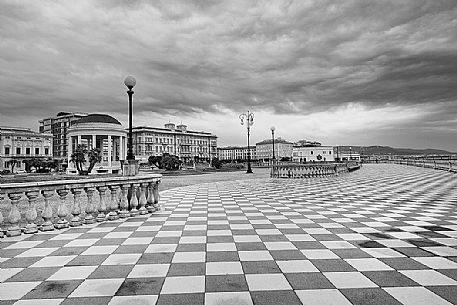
pixel 46 151
pixel 27 151
pixel 311 152
pixel 329 152
pixel 37 150
pixel 7 150
pixel 18 150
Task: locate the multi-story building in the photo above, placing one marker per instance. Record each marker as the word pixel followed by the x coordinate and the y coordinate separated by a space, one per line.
pixel 303 152
pixel 22 143
pixel 264 149
pixel 174 140
pixel 234 153
pixel 58 126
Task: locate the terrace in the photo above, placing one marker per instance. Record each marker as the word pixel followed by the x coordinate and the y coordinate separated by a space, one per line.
pixel 386 234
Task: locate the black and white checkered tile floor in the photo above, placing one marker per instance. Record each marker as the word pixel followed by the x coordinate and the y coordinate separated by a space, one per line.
pixel 386 234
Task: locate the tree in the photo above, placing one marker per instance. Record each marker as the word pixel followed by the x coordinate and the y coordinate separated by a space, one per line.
pixel 169 162
pixel 155 160
pixel 216 163
pixel 12 163
pixel 79 158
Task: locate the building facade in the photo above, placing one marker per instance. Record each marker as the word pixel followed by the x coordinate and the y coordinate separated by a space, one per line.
pixel 264 149
pixel 349 156
pixel 21 144
pixel 304 154
pixel 186 144
pixel 103 132
pixel 234 153
pixel 58 127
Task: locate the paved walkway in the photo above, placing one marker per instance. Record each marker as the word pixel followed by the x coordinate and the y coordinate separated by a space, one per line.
pixel 386 234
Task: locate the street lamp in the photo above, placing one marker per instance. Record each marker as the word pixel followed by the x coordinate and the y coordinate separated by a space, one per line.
pixel 249 117
pixel 350 153
pixel 272 128
pixel 130 82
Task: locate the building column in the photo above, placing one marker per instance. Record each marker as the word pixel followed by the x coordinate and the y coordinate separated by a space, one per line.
pixel 79 140
pixel 94 142
pixel 109 150
pixel 70 148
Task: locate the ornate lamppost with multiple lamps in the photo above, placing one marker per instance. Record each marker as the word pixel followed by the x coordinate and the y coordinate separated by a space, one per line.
pixel 272 128
pixel 249 118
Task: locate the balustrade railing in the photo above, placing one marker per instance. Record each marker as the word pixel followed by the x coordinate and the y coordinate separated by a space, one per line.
pixel 447 165
pixel 307 170
pixel 115 197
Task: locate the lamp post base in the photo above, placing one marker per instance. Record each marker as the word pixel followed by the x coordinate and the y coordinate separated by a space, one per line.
pixel 130 168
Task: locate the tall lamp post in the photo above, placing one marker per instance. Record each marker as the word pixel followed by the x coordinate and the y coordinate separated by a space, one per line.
pixel 350 153
pixel 272 128
pixel 130 82
pixel 249 118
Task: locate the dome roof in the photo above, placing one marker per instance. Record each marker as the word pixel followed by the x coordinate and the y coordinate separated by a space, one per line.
pixel 98 118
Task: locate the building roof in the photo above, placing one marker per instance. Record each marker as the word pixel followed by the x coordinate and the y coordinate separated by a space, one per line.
pixel 98 118
pixel 270 141
pixel 172 131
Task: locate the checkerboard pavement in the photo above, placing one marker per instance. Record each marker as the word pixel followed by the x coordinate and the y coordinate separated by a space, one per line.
pixel 386 234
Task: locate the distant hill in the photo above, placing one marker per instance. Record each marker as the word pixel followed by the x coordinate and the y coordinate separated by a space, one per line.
pixel 387 150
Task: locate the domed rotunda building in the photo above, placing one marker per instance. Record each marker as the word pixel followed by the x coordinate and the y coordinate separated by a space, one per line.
pixel 103 132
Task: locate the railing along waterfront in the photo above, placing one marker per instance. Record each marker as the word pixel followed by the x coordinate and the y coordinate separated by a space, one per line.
pixel 309 170
pixel 118 197
pixel 447 165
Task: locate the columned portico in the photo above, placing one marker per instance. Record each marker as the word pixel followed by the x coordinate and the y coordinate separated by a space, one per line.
pixel 101 132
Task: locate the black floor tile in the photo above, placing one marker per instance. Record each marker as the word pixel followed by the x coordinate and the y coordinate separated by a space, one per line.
pixel 369 296
pixel 141 286
pixel 308 280
pixel 230 282
pixel 280 297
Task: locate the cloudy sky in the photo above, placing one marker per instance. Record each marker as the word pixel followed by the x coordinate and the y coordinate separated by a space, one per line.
pixel 338 72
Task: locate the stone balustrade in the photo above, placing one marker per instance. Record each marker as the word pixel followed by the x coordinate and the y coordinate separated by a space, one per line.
pixel 447 165
pixel 106 198
pixel 307 170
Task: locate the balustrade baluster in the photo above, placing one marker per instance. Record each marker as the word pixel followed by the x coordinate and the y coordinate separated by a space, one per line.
pixel 31 213
pixel 114 203
pixel 62 211
pixel 47 211
pixel 156 194
pixel 76 209
pixel 124 203
pixel 14 215
pixel 142 201
pixel 102 205
pixel 133 200
pixel 150 200
pixel 90 209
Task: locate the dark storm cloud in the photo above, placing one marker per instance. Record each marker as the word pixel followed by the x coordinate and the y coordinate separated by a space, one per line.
pixel 283 57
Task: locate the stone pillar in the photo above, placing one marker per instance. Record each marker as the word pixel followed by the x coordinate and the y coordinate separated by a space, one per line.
pixel 114 205
pixel 102 206
pixel 142 202
pixel 134 200
pixel 62 212
pixel 150 199
pixel 110 157
pixel 14 215
pixel 31 213
pixel 124 204
pixel 47 212
pixel 94 142
pixel 76 210
pixel 90 209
